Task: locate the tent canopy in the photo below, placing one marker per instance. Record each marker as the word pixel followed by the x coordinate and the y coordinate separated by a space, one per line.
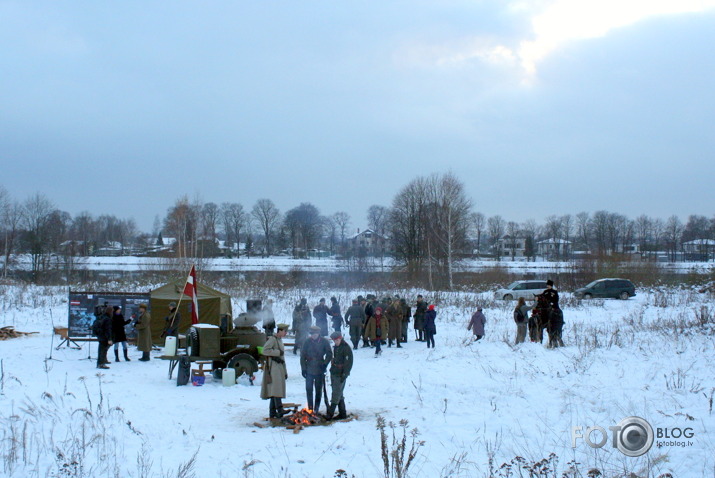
pixel 212 306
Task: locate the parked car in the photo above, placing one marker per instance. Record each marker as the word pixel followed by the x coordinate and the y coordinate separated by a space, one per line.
pixel 607 288
pixel 521 288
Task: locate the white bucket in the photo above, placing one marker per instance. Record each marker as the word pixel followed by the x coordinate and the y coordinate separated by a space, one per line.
pixel 170 346
pixel 229 377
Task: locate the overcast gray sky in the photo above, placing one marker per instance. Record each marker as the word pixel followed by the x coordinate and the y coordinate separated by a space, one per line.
pixel 541 107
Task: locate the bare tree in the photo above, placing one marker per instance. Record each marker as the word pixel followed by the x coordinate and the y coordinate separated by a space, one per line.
pixel 181 223
pixel 643 231
pixel 233 220
pixel 449 220
pixel 407 226
pixel 209 218
pixel 10 218
pixel 479 223
pixel 36 213
pixel 377 217
pixel 512 229
pixel 530 230
pixel 496 225
pixel 267 216
pixel 305 225
pixel 342 220
pixel 583 229
pixel 673 231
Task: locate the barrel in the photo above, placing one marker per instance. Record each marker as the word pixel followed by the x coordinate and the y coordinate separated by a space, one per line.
pixel 229 377
pixel 170 346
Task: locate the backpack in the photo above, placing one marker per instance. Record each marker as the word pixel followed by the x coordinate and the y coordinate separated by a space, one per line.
pixel 518 316
pixel 97 326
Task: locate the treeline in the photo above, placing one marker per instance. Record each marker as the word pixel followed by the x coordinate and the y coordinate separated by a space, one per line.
pixel 429 225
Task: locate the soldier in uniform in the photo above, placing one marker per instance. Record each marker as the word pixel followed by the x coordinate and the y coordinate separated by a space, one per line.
pixel 355 317
pixel 340 368
pixel 406 314
pixel 419 323
pixel 273 386
pixel 301 323
pixel 172 322
pixel 143 326
pixel 394 316
pixel 320 313
pixel 336 316
pixel 315 355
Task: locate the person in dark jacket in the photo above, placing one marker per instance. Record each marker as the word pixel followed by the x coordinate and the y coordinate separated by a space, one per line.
pixel 336 317
pixel 419 316
pixel 301 323
pixel 521 314
pixel 119 335
pixel 104 336
pixel 369 309
pixel 315 355
pixel 429 327
pixel 340 368
pixel 355 318
pixel 477 324
pixel 172 322
pixel 320 313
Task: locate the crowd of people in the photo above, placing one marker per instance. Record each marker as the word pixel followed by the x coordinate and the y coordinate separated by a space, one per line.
pixel 109 328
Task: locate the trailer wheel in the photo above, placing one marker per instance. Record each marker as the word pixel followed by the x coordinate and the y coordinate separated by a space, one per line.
pixel 192 342
pixel 243 363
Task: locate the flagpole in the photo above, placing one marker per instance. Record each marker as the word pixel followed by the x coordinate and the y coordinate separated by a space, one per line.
pixel 176 310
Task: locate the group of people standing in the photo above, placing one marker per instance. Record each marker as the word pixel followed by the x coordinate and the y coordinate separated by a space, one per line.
pixel 109 328
pixel 546 314
pixel 376 322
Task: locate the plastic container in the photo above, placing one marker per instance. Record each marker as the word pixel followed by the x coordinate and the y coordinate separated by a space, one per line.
pixel 260 350
pixel 170 346
pixel 228 376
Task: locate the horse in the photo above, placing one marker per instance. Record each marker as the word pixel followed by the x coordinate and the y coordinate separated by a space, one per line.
pixel 540 317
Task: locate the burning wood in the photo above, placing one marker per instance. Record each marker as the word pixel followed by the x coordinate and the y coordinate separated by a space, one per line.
pixel 303 418
pixel 9 332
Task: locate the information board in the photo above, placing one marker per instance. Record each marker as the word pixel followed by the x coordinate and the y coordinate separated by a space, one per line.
pixel 82 307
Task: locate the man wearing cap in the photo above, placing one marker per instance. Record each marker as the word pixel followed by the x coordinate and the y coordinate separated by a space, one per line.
pixel 143 326
pixel 320 313
pixel 340 368
pixel 315 355
pixel 273 386
pixel 355 317
pixel 556 316
pixel 172 322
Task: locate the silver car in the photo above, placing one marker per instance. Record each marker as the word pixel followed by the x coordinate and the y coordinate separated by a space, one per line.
pixel 521 288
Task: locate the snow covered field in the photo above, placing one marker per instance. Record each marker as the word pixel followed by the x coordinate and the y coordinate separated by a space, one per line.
pixel 650 356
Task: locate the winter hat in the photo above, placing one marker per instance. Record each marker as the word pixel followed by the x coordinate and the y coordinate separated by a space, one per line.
pixel 360 298
pixel 431 307
pixel 355 301
pixel 336 335
pixel 172 304
pixel 378 311
pixel 314 329
pixel 282 326
pixel 116 308
pixel 322 299
pixel 142 306
pixel 550 282
pixel 333 299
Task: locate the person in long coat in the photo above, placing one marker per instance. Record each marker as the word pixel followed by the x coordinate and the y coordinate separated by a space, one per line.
pixel 143 326
pixel 301 323
pixel 376 329
pixel 394 315
pixel 104 337
pixel 477 324
pixel 430 327
pixel 406 315
pixel 521 314
pixel 355 317
pixel 119 335
pixel 320 314
pixel 273 385
pixel 340 368
pixel 336 316
pixel 419 316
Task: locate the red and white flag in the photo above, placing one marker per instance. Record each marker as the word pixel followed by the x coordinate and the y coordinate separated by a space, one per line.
pixel 191 289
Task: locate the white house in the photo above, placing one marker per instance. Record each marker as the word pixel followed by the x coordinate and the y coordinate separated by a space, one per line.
pixel 553 248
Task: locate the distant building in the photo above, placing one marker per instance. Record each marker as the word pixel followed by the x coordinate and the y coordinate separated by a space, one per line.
pixel 512 246
pixel 699 250
pixel 552 248
pixel 367 242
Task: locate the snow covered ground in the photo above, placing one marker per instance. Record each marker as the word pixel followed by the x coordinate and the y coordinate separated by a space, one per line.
pixel 650 356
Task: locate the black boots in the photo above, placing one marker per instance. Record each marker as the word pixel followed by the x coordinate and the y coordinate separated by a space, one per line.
pixel 145 357
pixel 276 408
pixel 126 357
pixel 331 411
pixel 341 410
pixel 116 355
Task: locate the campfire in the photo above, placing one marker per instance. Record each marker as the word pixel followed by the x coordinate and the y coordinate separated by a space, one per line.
pixel 303 418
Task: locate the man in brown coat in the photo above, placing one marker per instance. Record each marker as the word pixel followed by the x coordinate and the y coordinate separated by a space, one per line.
pixel 394 315
pixel 273 386
pixel 143 326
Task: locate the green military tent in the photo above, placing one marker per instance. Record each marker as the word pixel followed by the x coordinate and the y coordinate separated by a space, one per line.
pixel 212 306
